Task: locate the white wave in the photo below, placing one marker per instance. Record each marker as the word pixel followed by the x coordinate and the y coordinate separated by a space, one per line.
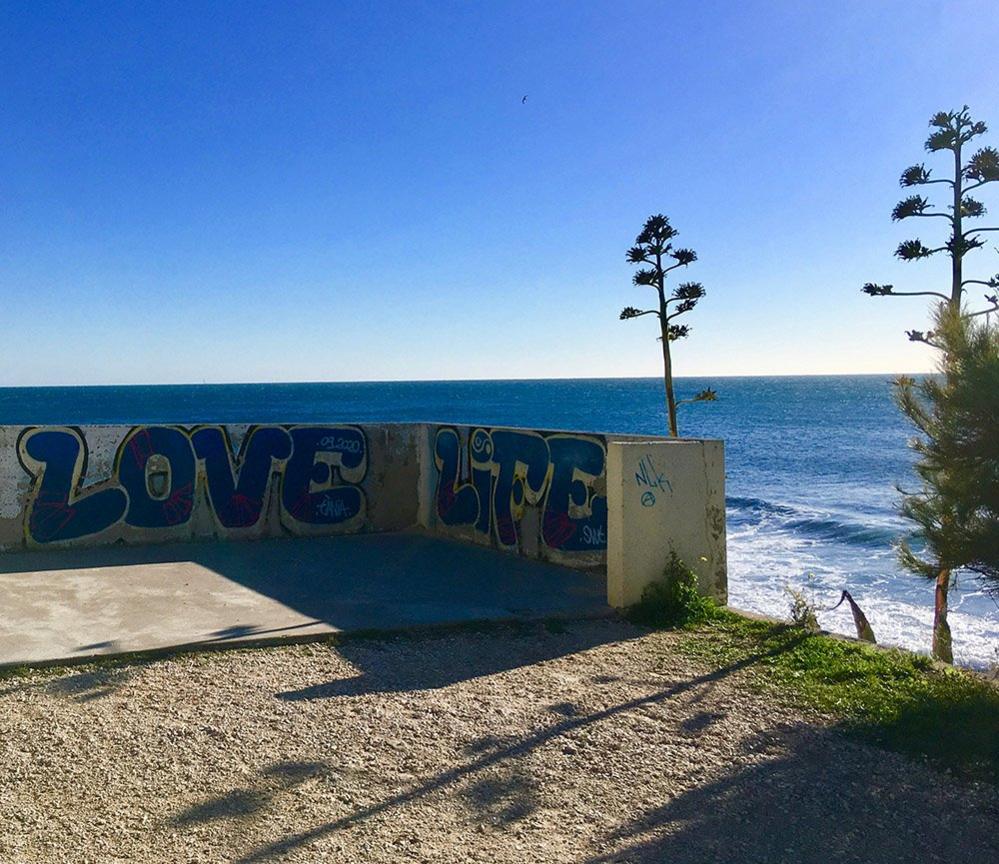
pixel 899 605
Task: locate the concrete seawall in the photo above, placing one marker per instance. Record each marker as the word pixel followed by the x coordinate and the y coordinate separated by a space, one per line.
pixel 617 504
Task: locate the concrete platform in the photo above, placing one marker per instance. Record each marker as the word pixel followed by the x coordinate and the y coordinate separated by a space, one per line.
pixel 75 604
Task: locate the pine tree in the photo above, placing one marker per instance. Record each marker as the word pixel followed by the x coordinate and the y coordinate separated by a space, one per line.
pixel 952 131
pixel 957 414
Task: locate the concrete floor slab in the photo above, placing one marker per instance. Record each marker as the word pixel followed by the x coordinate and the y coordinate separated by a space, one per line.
pixel 75 604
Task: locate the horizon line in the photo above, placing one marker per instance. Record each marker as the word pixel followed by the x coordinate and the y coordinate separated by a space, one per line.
pixel 461 380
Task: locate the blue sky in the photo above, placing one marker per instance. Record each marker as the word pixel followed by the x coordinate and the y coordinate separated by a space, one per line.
pixel 350 191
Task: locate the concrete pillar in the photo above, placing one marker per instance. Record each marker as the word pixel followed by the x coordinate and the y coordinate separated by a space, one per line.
pixel 664 495
pixel 427 480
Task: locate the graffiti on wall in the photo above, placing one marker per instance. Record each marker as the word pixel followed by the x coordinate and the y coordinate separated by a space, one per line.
pixel 158 470
pixel 489 483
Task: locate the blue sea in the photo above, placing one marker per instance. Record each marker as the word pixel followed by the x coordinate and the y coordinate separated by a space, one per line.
pixel 812 468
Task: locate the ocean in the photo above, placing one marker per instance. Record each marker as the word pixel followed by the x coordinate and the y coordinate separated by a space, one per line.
pixel 812 466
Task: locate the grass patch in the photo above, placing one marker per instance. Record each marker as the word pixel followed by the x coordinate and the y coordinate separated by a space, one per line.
pixel 900 700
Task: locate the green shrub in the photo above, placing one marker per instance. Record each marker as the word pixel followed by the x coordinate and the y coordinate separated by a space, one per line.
pixel 802 610
pixel 674 600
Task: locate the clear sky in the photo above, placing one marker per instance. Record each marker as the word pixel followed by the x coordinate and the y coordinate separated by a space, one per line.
pixel 349 191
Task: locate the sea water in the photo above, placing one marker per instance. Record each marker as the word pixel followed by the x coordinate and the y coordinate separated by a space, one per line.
pixel 812 466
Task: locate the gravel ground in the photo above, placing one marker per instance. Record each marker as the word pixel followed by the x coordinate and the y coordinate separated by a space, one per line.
pixel 596 744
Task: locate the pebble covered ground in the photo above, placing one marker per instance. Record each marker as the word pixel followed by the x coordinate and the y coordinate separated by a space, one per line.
pixel 592 742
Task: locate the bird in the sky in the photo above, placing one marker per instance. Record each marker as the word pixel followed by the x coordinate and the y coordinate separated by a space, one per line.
pixel 522 101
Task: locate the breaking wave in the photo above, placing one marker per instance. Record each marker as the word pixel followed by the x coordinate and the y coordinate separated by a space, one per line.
pixel 816 526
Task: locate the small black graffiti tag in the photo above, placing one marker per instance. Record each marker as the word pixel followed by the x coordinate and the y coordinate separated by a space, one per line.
pixel 648 475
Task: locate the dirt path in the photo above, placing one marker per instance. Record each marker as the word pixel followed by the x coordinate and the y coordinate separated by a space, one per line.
pixel 596 744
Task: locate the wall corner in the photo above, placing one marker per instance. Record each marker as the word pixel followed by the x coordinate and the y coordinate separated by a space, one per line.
pixel 665 496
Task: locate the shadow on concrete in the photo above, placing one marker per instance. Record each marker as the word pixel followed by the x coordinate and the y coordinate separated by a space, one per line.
pixel 361 581
pixel 248 631
pixel 219 592
pixel 108 645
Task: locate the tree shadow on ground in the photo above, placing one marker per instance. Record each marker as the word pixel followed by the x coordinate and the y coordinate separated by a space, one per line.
pixel 821 799
pixel 85 686
pixel 423 661
pixel 491 755
pixel 505 797
pixel 700 721
pixel 796 794
pixel 957 730
pixel 243 803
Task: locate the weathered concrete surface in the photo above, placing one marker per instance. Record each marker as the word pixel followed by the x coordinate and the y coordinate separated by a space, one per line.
pixel 539 493
pixel 72 604
pixel 610 503
pixel 665 496
pixel 100 485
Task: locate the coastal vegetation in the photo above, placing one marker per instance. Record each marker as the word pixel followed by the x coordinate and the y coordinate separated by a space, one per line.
pixel 957 415
pixel 957 509
pixel 674 600
pixel 654 249
pixel 897 699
